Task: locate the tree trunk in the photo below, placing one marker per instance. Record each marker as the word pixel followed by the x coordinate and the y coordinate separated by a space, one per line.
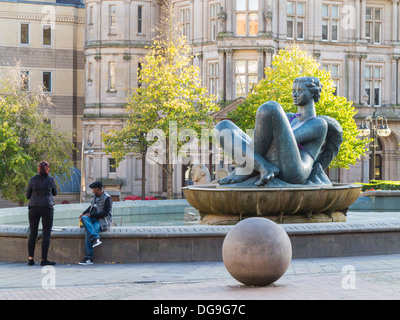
pixel 143 175
pixel 170 190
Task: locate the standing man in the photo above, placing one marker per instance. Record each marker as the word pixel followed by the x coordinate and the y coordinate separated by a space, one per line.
pixel 96 218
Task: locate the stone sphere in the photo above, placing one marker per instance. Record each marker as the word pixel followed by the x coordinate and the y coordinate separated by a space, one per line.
pixel 257 251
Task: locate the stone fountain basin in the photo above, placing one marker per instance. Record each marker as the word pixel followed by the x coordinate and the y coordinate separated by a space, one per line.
pixel 220 205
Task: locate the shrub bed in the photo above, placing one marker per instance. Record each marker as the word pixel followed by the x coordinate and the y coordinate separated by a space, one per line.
pixel 374 185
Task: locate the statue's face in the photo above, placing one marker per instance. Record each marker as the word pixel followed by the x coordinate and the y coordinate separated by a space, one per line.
pixel 301 94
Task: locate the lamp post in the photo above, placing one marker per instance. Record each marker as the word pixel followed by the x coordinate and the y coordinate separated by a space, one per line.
pixel 382 131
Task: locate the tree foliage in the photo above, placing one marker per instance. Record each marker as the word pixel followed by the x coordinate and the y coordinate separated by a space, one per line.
pixel 27 137
pixel 170 92
pixel 288 65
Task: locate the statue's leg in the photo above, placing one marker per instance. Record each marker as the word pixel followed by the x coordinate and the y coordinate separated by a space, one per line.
pixel 238 146
pixel 274 138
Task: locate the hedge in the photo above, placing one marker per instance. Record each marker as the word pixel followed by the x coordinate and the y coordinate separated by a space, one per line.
pixel 381 185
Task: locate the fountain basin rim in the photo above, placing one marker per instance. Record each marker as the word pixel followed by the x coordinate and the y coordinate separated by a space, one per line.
pixel 218 188
pixel 226 205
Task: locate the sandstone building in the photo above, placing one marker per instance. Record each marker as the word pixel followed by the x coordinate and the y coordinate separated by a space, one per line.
pixel 233 41
pixel 89 54
pixel 47 38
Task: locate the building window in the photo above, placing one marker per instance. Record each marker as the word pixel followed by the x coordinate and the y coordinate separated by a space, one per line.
pixel 24 37
pixel 330 22
pixel 111 166
pixel 246 76
pixel 373 85
pixel 47 81
pixel 25 80
pixel 373 24
pixel 113 17
pixel 213 78
pixel 184 18
pixel 335 74
pixel 140 19
pixel 295 19
pixel 111 76
pixel 47 35
pixel 246 17
pixel 213 21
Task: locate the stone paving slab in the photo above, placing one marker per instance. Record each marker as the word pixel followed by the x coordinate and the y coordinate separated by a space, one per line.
pixel 362 277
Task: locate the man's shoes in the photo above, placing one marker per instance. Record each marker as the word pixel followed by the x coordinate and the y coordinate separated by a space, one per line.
pixel 86 262
pixel 96 242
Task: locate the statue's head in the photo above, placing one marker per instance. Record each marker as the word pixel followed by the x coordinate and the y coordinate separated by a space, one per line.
pixel 310 84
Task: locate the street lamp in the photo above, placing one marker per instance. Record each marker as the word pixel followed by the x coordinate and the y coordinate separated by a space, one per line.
pixel 382 131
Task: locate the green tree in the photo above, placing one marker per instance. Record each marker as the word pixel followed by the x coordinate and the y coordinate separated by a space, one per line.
pixel 27 137
pixel 170 93
pixel 288 65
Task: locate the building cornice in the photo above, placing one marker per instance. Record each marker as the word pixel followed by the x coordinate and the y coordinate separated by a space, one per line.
pixel 59 19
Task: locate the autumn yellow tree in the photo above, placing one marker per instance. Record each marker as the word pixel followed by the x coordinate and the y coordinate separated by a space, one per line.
pixel 27 136
pixel 170 99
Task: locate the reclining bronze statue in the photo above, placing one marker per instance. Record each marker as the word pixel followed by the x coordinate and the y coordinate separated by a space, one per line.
pixel 280 171
pixel 288 148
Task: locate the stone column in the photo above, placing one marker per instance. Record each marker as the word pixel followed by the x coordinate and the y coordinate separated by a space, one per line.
pixel 192 25
pixel 229 10
pixel 395 21
pixel 356 82
pixel 98 76
pixel 352 77
pixel 269 52
pixel 127 59
pixel 153 17
pixel 317 29
pixel 274 9
pixel 261 20
pixel 127 24
pixel 362 21
pixel 281 21
pixel 200 60
pixel 362 58
pixel 365 169
pixel 358 20
pixel 397 7
pixel 221 75
pixel 98 22
pixel 229 74
pixel 261 63
pixel 395 80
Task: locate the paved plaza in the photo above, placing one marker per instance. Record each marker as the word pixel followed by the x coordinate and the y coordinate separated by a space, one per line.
pixel 359 277
pixel 362 277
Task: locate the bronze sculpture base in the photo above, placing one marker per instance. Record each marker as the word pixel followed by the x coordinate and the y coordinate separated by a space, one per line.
pixel 228 205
